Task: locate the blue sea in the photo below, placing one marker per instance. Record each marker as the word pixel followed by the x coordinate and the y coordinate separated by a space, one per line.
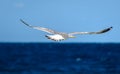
pixel 59 58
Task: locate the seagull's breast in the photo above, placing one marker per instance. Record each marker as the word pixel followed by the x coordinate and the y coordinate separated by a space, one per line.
pixel 55 37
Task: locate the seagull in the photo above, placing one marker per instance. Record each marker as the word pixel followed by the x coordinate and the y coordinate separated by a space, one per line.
pixel 59 36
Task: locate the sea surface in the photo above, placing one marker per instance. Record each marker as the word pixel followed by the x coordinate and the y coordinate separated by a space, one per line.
pixel 59 58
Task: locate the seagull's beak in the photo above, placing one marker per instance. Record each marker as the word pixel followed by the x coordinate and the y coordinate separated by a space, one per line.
pixel 72 37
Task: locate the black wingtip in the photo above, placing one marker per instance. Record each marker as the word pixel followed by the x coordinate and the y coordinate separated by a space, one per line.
pixel 106 30
pixel 111 27
pixel 21 20
pixel 25 23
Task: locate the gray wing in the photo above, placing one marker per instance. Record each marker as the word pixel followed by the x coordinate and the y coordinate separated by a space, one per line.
pixel 40 28
pixel 99 32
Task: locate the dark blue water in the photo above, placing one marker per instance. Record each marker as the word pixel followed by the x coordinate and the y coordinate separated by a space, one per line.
pixel 60 58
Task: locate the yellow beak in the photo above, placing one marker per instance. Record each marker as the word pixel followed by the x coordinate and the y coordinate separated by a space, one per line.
pixel 72 37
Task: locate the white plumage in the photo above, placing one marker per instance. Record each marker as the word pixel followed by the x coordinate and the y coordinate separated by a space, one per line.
pixel 55 37
pixel 58 36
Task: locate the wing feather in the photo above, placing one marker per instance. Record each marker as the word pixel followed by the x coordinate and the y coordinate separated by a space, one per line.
pixel 99 32
pixel 40 28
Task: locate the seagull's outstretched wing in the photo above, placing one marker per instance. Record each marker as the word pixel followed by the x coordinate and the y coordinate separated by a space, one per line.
pixel 99 32
pixel 40 28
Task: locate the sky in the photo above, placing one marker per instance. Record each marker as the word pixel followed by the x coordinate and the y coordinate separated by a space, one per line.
pixel 60 15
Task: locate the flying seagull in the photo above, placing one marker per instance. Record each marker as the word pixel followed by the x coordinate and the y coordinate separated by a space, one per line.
pixel 59 36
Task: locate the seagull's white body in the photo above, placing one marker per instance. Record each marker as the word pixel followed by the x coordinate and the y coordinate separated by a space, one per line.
pixel 55 37
pixel 58 36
